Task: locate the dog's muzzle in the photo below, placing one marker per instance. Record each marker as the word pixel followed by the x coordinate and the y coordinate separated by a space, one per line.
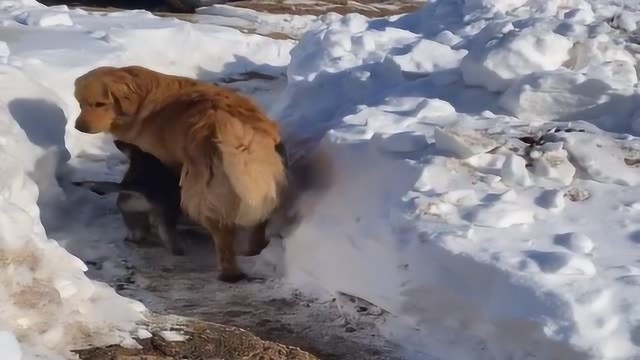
pixel 82 127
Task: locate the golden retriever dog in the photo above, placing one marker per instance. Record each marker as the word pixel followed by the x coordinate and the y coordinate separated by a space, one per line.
pixel 222 145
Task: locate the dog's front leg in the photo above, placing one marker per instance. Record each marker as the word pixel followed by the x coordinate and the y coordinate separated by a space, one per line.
pixel 224 236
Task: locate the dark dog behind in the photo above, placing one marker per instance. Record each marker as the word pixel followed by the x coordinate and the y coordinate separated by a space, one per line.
pixel 148 199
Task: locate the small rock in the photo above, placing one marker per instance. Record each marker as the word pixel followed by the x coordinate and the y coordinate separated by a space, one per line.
pixel 576 194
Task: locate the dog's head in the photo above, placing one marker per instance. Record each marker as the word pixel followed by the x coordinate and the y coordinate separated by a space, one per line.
pixel 108 97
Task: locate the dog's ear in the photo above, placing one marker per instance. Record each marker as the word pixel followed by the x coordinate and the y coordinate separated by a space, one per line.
pixel 124 97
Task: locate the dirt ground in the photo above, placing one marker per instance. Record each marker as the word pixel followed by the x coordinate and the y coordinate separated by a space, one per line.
pixel 370 8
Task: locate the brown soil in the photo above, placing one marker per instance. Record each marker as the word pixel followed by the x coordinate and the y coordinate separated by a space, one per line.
pixel 205 341
pixel 367 8
pixel 370 8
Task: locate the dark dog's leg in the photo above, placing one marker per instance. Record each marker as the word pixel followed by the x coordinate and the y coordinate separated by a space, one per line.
pixel 138 226
pixel 135 218
pixel 166 222
pixel 258 240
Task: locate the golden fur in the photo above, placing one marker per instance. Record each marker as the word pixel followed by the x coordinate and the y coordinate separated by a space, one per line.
pixel 221 143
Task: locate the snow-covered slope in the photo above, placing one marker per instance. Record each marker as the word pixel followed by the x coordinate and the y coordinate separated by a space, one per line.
pixel 486 190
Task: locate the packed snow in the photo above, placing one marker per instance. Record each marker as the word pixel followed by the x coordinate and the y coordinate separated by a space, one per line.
pixel 486 170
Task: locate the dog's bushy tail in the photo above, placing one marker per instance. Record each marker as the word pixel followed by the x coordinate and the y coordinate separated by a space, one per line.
pixel 248 156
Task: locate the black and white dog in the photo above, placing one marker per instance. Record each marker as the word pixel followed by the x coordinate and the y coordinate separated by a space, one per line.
pixel 148 198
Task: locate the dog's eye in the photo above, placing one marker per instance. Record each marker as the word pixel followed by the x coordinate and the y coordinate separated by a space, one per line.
pixel 100 104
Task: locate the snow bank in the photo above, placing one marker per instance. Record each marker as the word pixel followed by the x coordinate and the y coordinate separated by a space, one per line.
pixel 48 303
pixel 466 204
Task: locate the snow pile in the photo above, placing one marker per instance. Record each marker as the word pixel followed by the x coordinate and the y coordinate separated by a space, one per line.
pixel 48 304
pixel 486 192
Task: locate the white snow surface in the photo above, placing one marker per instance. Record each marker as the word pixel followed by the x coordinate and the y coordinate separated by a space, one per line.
pixel 476 244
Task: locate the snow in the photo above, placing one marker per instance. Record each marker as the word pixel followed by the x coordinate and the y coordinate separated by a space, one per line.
pixel 485 191
pixel 172 336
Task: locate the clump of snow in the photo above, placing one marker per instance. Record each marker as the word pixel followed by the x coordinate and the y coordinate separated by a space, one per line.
pixel 463 145
pixel 429 56
pixel 172 336
pixel 497 63
pixel 603 159
pixel 143 334
pixel 627 20
pixel 44 18
pixel 550 162
pixel 514 171
pixel 576 242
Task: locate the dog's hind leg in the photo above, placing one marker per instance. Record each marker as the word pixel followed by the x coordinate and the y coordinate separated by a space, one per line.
pixel 166 223
pixel 224 237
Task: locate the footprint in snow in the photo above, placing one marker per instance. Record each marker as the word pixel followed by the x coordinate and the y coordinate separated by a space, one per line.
pixel 562 263
pixel 576 242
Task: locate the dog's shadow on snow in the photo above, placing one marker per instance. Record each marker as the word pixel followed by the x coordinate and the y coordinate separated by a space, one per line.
pixel 43 122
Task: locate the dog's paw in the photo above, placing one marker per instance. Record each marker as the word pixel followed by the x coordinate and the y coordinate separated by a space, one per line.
pixel 232 277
